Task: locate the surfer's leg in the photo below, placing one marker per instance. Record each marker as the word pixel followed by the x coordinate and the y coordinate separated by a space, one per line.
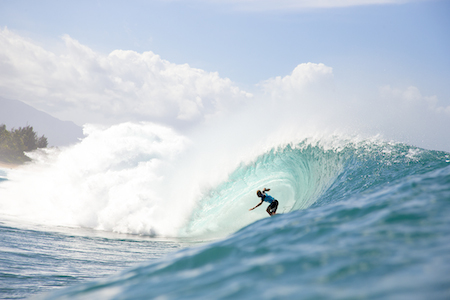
pixel 274 207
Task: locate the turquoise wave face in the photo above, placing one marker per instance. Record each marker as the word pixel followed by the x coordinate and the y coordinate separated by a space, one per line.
pixel 359 221
pixel 303 175
pixel 297 176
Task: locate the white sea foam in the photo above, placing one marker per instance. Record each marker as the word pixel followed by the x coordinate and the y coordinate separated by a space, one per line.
pixel 116 179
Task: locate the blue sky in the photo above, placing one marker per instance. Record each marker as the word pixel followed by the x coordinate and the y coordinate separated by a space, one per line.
pixel 62 57
pixel 401 43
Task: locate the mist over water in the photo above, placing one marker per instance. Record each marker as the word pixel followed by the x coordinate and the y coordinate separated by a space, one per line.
pixel 149 179
pixel 113 180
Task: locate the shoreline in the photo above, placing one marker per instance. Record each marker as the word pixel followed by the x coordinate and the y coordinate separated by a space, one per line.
pixel 7 165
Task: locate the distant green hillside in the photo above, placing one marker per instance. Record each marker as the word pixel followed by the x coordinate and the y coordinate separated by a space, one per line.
pixel 59 133
pixel 15 142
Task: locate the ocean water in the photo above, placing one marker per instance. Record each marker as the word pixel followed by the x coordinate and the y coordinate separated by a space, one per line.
pixel 38 259
pixel 358 219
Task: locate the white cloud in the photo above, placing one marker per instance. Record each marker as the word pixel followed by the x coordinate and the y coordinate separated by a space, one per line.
pixel 304 76
pixel 309 96
pixel 405 114
pixel 87 86
pixel 412 97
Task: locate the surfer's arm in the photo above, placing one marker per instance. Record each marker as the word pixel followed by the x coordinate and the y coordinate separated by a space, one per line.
pixel 257 205
pixel 266 190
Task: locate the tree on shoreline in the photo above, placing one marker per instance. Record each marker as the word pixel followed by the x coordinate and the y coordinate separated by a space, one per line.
pixel 15 142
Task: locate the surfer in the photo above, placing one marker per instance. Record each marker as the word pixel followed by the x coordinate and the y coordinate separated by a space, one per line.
pixel 272 208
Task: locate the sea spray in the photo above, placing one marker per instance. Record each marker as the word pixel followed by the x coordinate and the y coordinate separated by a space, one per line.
pixel 116 179
pixel 148 179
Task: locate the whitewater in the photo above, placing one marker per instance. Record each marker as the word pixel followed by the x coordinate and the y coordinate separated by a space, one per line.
pixel 140 210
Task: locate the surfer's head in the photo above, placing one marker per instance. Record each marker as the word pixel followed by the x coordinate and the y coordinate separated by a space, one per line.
pixel 258 192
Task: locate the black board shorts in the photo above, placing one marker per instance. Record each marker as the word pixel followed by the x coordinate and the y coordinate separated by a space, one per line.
pixel 273 206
